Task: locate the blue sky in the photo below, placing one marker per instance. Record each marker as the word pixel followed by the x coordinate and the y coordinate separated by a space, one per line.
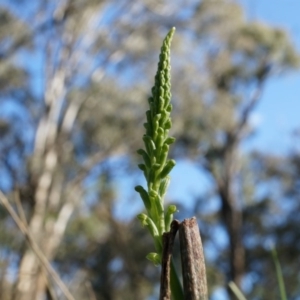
pixel 276 116
pixel 278 111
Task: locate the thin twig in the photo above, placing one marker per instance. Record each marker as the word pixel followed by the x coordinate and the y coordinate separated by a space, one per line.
pixel 168 241
pixel 192 259
pixel 44 261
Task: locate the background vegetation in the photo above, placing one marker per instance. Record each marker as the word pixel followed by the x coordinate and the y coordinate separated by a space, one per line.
pixel 74 81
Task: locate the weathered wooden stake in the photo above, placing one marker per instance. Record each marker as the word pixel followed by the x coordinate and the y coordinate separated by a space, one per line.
pixel 192 259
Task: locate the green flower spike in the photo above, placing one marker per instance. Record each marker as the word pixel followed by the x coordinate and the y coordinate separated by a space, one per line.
pixel 156 165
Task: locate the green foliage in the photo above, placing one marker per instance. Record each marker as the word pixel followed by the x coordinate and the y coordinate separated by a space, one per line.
pixel 157 166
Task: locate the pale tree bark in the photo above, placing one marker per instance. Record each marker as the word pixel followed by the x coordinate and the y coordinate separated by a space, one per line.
pixel 52 193
pixel 45 154
pixel 32 279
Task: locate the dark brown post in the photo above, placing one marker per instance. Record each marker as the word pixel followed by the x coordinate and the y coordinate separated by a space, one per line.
pixel 168 241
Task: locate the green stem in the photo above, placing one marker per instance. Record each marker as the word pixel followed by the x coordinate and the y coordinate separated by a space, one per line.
pixel 176 287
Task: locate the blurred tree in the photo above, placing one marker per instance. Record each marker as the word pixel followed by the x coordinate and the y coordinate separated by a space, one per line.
pixel 239 58
pixel 73 87
pixel 271 221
